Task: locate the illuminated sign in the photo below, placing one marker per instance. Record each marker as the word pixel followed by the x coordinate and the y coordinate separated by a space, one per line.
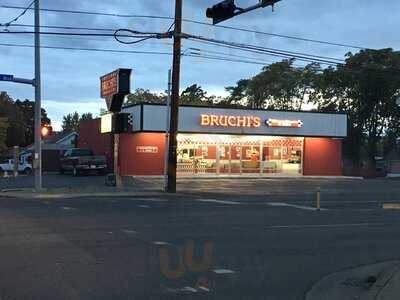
pixel 230 121
pixel 106 123
pixel 114 87
pixel 284 123
pixel 109 84
pixel 147 149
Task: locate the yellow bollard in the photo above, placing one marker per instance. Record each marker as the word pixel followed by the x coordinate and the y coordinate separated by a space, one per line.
pixel 319 199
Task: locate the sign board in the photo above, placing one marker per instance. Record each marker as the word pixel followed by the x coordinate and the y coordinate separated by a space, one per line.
pixel 114 87
pixel 284 123
pixel 106 123
pixel 229 121
pixel 6 77
pixel 147 149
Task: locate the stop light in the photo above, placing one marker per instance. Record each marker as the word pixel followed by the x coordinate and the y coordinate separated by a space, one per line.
pixel 46 131
pixel 221 11
pixel 122 123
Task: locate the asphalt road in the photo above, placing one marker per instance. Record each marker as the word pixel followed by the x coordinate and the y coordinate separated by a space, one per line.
pixel 226 247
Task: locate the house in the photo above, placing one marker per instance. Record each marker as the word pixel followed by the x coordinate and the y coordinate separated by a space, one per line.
pixel 52 148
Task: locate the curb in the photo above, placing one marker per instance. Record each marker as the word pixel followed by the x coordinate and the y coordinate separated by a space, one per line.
pixel 57 196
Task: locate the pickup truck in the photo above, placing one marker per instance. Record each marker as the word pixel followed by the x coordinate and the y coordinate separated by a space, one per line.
pixel 8 166
pixel 80 161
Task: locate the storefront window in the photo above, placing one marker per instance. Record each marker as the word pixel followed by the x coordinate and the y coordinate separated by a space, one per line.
pixel 225 155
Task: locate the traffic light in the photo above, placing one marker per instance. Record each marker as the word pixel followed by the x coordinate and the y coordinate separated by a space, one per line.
pixel 122 123
pixel 221 11
pixel 46 131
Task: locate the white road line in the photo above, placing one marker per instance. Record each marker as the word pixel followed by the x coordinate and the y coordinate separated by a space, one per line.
pixel 189 289
pixel 282 204
pixel 325 226
pixel 219 201
pixel 143 206
pixel 158 243
pixel 223 271
pixel 68 208
pixel 129 231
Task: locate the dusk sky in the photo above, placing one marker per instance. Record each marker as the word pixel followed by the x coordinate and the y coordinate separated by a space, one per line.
pixel 71 78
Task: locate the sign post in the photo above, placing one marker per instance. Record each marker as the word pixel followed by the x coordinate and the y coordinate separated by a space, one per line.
pixel 114 87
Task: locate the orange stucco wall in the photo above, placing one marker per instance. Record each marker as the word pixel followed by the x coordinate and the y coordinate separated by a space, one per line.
pixel 322 157
pixel 139 163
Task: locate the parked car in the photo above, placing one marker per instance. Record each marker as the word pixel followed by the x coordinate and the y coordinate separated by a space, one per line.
pixel 80 161
pixel 23 166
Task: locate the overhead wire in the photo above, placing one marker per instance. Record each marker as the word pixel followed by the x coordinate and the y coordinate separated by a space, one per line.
pixel 199 23
pixel 259 49
pixel 20 15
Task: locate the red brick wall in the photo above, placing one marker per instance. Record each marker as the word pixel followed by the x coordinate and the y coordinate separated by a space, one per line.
pixel 91 138
pixel 322 157
pixel 136 163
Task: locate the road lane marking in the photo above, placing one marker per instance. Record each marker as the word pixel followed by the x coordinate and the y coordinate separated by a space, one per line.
pixel 67 208
pixel 219 201
pixel 303 207
pixel 159 243
pixel 189 289
pixel 325 226
pixel 223 271
pixel 143 206
pixel 129 231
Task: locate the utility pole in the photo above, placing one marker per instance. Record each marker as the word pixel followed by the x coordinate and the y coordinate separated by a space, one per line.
pixel 167 131
pixel 173 127
pixel 38 106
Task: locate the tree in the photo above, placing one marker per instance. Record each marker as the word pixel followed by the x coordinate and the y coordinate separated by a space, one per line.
pixel 145 96
pixel 86 116
pixel 27 109
pixel 281 86
pixel 71 122
pixel 20 115
pixel 195 95
pixel 365 87
pixel 237 94
pixel 3 134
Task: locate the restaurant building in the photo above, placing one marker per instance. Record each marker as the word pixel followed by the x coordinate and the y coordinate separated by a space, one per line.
pixel 215 141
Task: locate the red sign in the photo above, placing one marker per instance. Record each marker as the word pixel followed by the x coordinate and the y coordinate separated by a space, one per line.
pixel 284 123
pixel 147 149
pixel 109 84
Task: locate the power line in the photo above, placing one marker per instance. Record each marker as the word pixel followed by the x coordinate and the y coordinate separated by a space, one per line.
pixel 199 23
pixel 64 27
pixel 278 35
pixel 289 53
pixel 20 15
pixel 209 57
pixel 79 34
pixel 86 49
pixel 81 12
pixel 258 49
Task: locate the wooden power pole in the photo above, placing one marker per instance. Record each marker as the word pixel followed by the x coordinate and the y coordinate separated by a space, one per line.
pixel 173 126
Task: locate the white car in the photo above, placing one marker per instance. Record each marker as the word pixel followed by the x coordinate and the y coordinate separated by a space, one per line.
pixel 8 166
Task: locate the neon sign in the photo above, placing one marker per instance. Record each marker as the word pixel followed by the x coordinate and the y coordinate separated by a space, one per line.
pixel 230 121
pixel 284 123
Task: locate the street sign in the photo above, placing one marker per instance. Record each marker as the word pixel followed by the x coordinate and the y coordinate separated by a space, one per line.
pixel 6 77
pixel 114 87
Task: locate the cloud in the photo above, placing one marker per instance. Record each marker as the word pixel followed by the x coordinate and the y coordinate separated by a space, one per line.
pixel 71 78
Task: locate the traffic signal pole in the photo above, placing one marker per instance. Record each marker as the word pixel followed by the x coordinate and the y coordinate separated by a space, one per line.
pixel 173 127
pixel 37 162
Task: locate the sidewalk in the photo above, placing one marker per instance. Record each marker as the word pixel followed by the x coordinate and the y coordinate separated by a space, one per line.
pixel 379 281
